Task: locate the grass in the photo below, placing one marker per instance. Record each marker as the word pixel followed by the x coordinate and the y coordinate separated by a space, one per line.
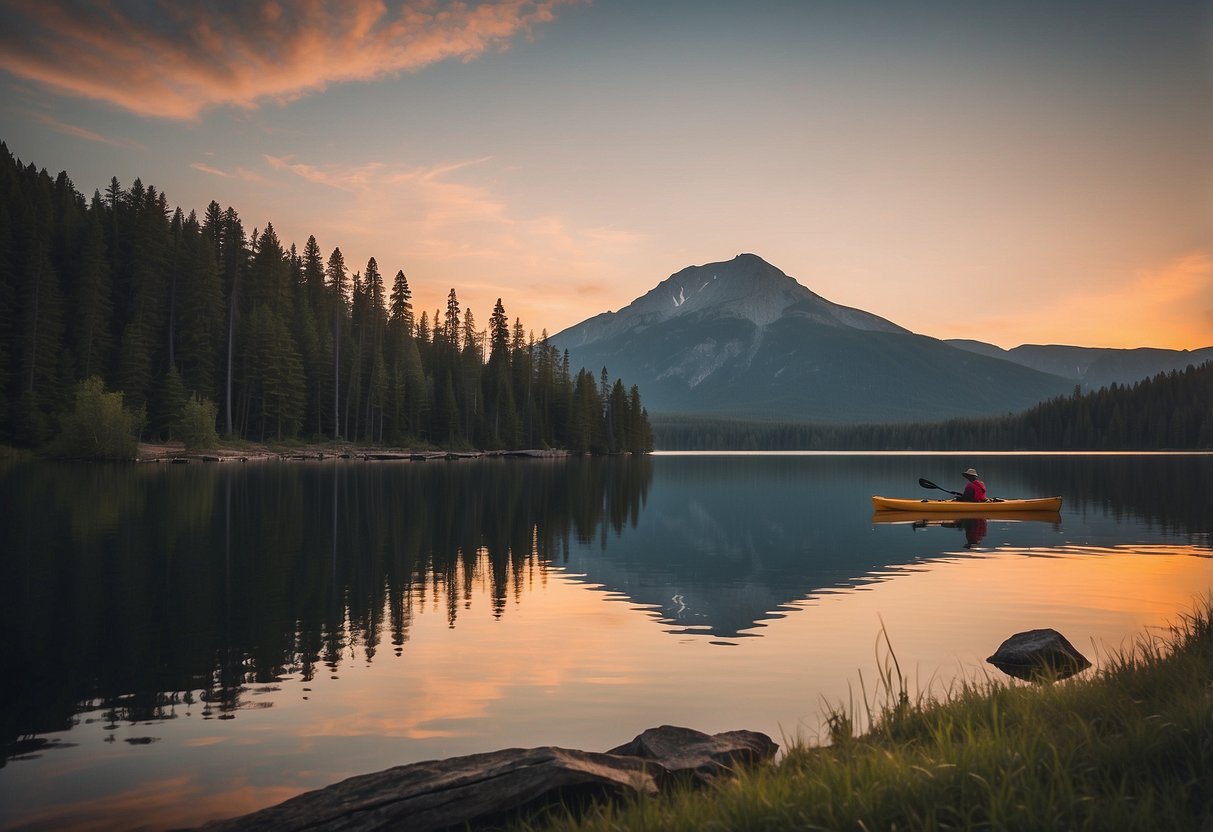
pixel 1127 748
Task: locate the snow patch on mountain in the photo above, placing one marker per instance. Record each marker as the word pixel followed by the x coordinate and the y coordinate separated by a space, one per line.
pixel 745 287
pixel 700 361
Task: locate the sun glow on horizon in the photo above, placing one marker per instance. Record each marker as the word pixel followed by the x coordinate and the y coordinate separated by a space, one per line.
pixel 1009 176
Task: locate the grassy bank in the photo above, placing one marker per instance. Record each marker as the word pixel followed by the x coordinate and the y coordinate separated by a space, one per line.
pixel 1130 747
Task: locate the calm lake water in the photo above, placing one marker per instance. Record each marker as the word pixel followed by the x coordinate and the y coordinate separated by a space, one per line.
pixel 184 643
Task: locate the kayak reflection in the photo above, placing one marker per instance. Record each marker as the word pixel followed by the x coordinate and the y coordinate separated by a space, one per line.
pixel 974 528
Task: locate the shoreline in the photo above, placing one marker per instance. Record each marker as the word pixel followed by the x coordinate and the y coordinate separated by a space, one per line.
pixel 175 453
pixel 1122 748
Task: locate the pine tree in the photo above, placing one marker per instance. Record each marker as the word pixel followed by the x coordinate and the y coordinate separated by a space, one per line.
pixel 313 275
pixel 358 315
pixel 336 273
pixel 470 370
pixel 619 428
pixel 233 261
pixel 201 327
pixel 450 323
pixel 401 308
pixel 166 405
pixel 38 297
pixel 416 392
pixel 139 284
pixel 499 399
pixel 522 383
pixel 92 301
pixel 374 323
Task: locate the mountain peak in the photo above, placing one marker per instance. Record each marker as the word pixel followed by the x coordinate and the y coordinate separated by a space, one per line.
pixel 746 287
pixel 740 338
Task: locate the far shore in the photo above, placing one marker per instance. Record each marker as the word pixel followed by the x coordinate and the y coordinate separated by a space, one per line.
pixel 175 452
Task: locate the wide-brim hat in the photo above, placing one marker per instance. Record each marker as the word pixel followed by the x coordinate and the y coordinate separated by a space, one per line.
pixel 970 472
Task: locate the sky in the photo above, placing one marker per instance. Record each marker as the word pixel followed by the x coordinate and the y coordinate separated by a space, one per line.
pixel 1012 171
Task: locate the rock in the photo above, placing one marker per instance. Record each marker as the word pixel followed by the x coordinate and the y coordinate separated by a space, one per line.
pixel 1039 655
pixel 462 792
pixel 688 753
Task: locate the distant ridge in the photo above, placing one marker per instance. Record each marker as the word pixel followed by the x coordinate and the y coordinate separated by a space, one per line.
pixel 1093 367
pixel 742 339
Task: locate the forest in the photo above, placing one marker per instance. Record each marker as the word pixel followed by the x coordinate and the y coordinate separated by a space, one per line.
pixel 1171 411
pixel 172 310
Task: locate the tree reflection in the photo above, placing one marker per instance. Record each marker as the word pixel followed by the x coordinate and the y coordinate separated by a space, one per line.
pixel 131 587
pixel 136 590
pixel 1167 490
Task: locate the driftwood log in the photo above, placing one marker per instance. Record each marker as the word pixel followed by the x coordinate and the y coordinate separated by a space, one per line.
pixel 482 791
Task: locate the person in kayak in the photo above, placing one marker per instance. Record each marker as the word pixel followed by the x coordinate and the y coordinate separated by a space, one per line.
pixel 975 491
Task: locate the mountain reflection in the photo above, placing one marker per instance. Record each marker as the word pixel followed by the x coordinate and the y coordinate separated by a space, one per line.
pixel 143 593
pixel 728 543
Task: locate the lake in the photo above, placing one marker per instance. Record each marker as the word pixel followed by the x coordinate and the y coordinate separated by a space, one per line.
pixel 189 642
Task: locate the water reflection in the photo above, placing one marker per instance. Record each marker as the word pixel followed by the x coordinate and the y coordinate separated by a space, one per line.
pixel 137 594
pixel 729 542
pixel 133 593
pixel 974 528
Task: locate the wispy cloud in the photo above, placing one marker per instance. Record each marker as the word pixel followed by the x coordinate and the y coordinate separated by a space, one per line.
pixel 422 197
pixel 81 133
pixel 212 171
pixel 450 228
pixel 176 60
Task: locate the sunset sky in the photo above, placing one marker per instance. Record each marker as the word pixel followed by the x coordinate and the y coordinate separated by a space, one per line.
pixel 1016 172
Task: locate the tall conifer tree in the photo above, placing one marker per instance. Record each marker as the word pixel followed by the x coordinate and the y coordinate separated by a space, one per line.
pixel 336 273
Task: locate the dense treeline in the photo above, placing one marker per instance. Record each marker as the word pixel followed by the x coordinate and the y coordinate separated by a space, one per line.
pixel 167 308
pixel 1169 411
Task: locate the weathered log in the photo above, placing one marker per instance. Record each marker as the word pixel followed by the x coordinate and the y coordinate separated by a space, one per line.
pixel 484 790
pixel 1038 655
pixel 464 792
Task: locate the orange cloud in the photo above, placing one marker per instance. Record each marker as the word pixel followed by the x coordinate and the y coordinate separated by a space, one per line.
pixel 208 169
pixel 453 226
pixel 187 58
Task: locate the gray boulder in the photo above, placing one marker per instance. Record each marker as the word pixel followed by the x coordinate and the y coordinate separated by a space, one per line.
pixel 684 752
pixel 1039 655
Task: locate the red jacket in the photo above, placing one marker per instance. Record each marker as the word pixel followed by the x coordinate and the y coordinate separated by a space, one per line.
pixel 975 492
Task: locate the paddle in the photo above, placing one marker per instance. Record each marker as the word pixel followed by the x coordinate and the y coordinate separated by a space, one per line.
pixel 929 484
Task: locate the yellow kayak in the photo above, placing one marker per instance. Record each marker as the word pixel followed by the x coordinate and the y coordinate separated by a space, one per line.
pixel 986 509
pixel 935 518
